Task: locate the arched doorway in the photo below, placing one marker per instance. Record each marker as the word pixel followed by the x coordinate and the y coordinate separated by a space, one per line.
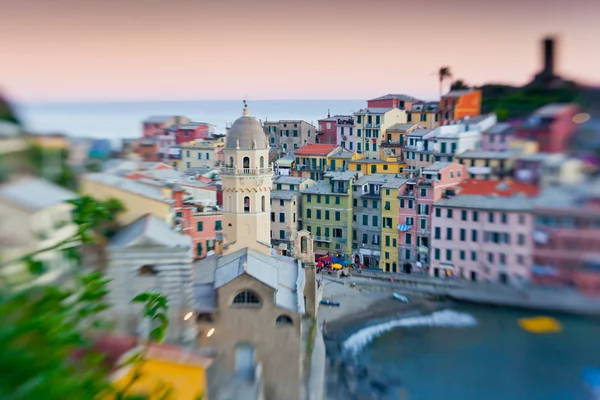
pixel 246 162
pixel 246 204
pixel 262 162
pixel 263 204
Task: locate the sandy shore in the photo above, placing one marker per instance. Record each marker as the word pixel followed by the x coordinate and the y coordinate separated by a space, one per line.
pixel 361 307
pixel 347 379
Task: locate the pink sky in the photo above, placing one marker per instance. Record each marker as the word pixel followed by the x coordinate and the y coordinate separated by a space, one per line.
pixel 65 50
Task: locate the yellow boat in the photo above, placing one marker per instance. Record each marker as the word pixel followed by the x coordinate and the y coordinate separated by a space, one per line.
pixel 540 325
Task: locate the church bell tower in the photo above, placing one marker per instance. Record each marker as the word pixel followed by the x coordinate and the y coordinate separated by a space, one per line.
pixel 247 178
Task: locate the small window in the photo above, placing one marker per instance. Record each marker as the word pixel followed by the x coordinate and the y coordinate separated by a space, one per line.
pixel 283 320
pixel 246 297
pixel 147 270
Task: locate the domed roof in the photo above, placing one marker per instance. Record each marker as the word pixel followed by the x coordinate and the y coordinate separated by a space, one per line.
pixel 246 134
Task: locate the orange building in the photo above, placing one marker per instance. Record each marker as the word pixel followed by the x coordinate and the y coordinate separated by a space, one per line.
pixel 457 104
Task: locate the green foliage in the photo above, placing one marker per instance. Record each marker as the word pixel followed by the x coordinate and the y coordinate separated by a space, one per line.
pixel 45 331
pixel 459 84
pixel 52 164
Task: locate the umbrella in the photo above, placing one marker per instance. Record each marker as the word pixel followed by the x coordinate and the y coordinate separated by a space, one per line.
pixel 319 263
pixel 337 266
pixel 346 262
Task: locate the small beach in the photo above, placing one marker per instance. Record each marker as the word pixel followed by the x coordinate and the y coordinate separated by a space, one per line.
pixel 347 378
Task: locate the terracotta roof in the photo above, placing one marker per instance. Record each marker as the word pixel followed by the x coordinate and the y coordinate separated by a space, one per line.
pixel 315 149
pixel 497 187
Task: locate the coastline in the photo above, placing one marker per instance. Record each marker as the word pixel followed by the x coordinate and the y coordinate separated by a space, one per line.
pixel 346 377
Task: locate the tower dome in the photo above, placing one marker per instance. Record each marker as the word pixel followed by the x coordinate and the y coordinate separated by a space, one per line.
pixel 246 133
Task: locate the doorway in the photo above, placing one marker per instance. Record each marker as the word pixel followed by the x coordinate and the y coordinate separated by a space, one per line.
pixel 503 278
pixel 436 272
pixel 474 276
pixel 244 361
pixel 407 268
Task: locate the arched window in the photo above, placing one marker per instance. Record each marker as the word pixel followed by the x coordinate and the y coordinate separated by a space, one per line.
pixel 246 297
pixel 263 205
pixel 147 270
pixel 262 162
pixel 230 162
pixel 283 320
pixel 246 204
pixel 246 162
pixel 304 244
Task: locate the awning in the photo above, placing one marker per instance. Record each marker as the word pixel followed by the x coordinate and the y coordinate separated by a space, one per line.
pixel 544 270
pixel 368 252
pixel 404 228
pixel 321 252
pixel 446 266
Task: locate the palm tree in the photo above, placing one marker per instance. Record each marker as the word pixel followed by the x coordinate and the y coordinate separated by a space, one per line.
pixel 444 73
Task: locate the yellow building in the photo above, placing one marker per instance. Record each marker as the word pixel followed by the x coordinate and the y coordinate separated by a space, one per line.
pixel 387 163
pixel 167 368
pixel 395 137
pixel 389 225
pixel 57 141
pixel 313 160
pixel 370 125
pixel 200 153
pixel 425 115
pixel 138 198
pixel 489 164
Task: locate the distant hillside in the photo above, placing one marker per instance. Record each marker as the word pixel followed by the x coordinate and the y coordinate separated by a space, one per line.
pixel 6 112
pixel 519 102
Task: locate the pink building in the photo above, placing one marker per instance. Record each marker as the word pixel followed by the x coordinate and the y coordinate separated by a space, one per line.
pixel 201 223
pixel 156 125
pixel 417 198
pixel 567 237
pixel 194 130
pixel 482 238
pixel 498 137
pixel 329 128
pixel 401 101
pixel 551 126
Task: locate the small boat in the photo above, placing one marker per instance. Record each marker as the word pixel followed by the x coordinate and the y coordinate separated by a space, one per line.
pixel 331 303
pixel 540 325
pixel 402 298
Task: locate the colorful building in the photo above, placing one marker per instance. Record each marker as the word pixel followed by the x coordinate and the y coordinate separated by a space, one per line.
pixel 552 127
pixel 386 163
pixel 389 224
pixel 201 152
pixel 286 210
pixel 566 237
pixel 395 137
pixel 194 130
pixel 482 238
pixel 497 137
pixel 202 223
pixel 401 101
pixel 426 115
pixel 290 135
pixel 327 213
pixel 417 197
pixel 147 149
pixel 457 104
pixel 370 125
pixel 548 168
pixel 156 125
pixel 332 127
pixel 313 160
pixel 488 164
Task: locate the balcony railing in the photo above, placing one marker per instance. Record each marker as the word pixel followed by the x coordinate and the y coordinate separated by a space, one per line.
pixel 323 238
pixel 391 143
pixel 247 171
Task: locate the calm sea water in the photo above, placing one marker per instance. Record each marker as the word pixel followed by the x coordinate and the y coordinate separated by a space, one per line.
pixel 123 119
pixel 492 360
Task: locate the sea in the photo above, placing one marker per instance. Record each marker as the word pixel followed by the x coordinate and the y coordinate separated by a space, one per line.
pixel 478 353
pixel 120 120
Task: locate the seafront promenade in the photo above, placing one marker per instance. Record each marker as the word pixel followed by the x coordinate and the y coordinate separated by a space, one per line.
pixel 526 296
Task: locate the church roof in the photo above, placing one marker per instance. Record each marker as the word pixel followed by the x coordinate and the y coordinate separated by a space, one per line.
pixel 246 133
pixel 278 272
pixel 149 231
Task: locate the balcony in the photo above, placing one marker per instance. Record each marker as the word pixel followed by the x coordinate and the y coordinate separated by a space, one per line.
pixel 368 125
pixel 322 238
pixel 377 126
pixel 247 171
pixel 302 167
pixel 371 195
pixel 391 143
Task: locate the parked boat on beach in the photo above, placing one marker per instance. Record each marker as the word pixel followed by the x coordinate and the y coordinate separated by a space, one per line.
pixel 402 298
pixel 327 302
pixel 540 325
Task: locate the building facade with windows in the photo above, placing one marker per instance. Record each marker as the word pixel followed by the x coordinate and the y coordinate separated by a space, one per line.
pixel 290 135
pixel 389 223
pixel 426 115
pixel 332 127
pixel 483 238
pixel 201 153
pixel 401 101
pixel 416 199
pixel 286 211
pixel 370 126
pixel 327 213
pixel 457 104
pixel 366 219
